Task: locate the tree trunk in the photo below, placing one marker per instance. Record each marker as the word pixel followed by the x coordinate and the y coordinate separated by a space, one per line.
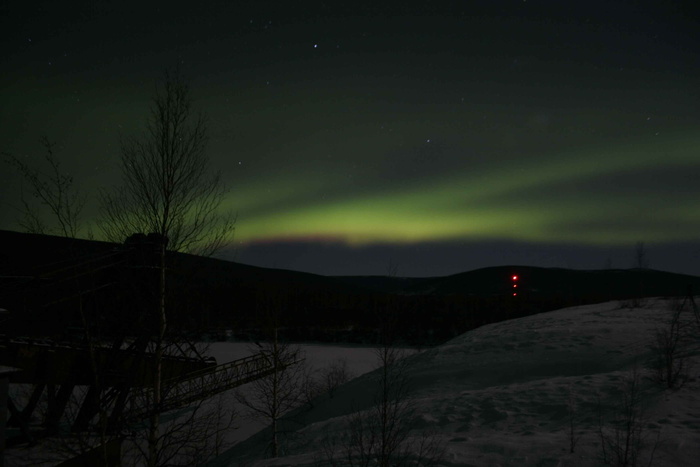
pixel 158 373
pixel 275 393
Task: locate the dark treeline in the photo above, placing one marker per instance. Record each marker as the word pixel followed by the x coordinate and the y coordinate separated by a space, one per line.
pixel 52 286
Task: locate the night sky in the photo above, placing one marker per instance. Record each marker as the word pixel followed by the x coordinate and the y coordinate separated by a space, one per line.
pixel 422 138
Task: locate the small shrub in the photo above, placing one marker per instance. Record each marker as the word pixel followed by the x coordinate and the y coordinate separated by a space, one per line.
pixel 670 352
pixel 626 439
pixel 335 375
pixel 573 417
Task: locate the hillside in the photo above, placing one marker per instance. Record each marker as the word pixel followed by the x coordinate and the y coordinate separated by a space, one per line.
pixel 538 282
pixel 500 394
pixel 206 293
pixel 224 298
pixel 25 254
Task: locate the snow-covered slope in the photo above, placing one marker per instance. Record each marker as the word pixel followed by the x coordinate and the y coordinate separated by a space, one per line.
pixel 499 395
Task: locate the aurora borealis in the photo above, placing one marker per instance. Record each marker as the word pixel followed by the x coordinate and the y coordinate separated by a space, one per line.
pixel 438 136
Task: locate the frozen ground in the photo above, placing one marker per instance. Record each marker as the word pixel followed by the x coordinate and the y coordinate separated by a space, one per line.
pixel 498 395
pixel 495 396
pixel 360 360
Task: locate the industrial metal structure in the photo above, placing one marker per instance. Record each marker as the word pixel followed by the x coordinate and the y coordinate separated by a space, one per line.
pixel 80 332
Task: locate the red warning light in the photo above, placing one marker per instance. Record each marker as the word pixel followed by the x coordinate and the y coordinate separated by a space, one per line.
pixel 515 278
pixel 515 294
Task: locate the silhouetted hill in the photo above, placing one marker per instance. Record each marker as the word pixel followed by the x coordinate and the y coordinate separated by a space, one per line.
pixel 26 254
pixel 46 282
pixel 606 284
pixel 385 284
pixel 41 270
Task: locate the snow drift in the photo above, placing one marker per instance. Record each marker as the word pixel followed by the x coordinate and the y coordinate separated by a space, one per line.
pixel 509 394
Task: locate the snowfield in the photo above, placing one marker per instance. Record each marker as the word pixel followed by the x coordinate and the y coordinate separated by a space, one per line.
pixel 505 393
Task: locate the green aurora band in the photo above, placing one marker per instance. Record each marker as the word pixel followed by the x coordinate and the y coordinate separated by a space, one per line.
pixel 528 201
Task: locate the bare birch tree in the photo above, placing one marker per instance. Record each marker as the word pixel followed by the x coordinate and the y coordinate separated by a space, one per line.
pixel 627 439
pixel 272 396
pixel 168 191
pixel 641 259
pixel 671 349
pixel 167 185
pixel 381 435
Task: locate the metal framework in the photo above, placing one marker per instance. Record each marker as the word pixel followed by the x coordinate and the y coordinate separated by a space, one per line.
pixel 116 375
pixel 202 384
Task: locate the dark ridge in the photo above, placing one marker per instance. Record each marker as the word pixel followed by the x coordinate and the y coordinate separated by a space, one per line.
pixel 605 284
pixel 388 284
pixel 41 277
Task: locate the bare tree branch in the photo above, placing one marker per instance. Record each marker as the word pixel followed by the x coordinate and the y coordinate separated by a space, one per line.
pixel 53 189
pixel 167 190
pixel 167 186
